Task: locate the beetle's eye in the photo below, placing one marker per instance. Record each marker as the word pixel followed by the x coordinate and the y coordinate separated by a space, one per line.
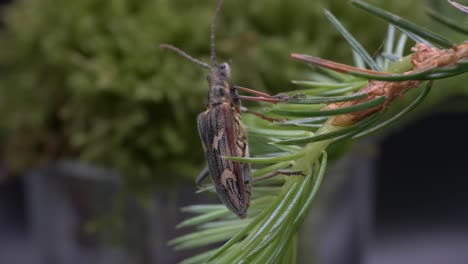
pixel 208 78
pixel 224 70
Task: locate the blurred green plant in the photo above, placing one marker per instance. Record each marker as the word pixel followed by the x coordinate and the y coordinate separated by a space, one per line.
pixel 338 105
pixel 86 80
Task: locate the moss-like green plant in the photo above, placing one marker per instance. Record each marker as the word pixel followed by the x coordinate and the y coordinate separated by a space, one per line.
pixel 338 105
pixel 86 79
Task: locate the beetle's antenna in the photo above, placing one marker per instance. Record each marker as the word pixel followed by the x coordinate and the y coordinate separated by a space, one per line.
pixel 184 54
pixel 213 31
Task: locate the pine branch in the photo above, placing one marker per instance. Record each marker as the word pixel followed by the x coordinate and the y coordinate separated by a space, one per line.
pixel 341 103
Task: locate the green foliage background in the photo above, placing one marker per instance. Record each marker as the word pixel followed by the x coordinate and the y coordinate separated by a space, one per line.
pixel 86 79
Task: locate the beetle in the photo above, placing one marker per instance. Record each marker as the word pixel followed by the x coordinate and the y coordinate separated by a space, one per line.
pixel 221 131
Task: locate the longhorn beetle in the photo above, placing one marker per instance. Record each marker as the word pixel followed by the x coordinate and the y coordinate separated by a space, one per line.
pixel 221 131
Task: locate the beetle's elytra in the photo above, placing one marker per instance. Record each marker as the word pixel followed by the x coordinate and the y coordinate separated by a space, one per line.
pixel 222 135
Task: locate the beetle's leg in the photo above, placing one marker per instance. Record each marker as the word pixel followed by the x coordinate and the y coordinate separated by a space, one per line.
pixel 262 116
pixel 276 173
pixel 279 98
pixel 202 176
pixel 262 99
pixel 252 91
pixel 236 99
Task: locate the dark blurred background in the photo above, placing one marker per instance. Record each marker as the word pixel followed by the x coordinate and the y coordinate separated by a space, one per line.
pixel 99 144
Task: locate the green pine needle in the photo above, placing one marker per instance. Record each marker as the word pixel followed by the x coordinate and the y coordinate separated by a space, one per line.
pixel 357 47
pixel 447 21
pixel 404 24
pixel 344 110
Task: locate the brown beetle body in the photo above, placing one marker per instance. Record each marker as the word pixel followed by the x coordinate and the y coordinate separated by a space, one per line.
pixel 222 135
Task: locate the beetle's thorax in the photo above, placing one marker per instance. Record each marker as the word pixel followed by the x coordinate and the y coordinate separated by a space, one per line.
pixel 219 87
